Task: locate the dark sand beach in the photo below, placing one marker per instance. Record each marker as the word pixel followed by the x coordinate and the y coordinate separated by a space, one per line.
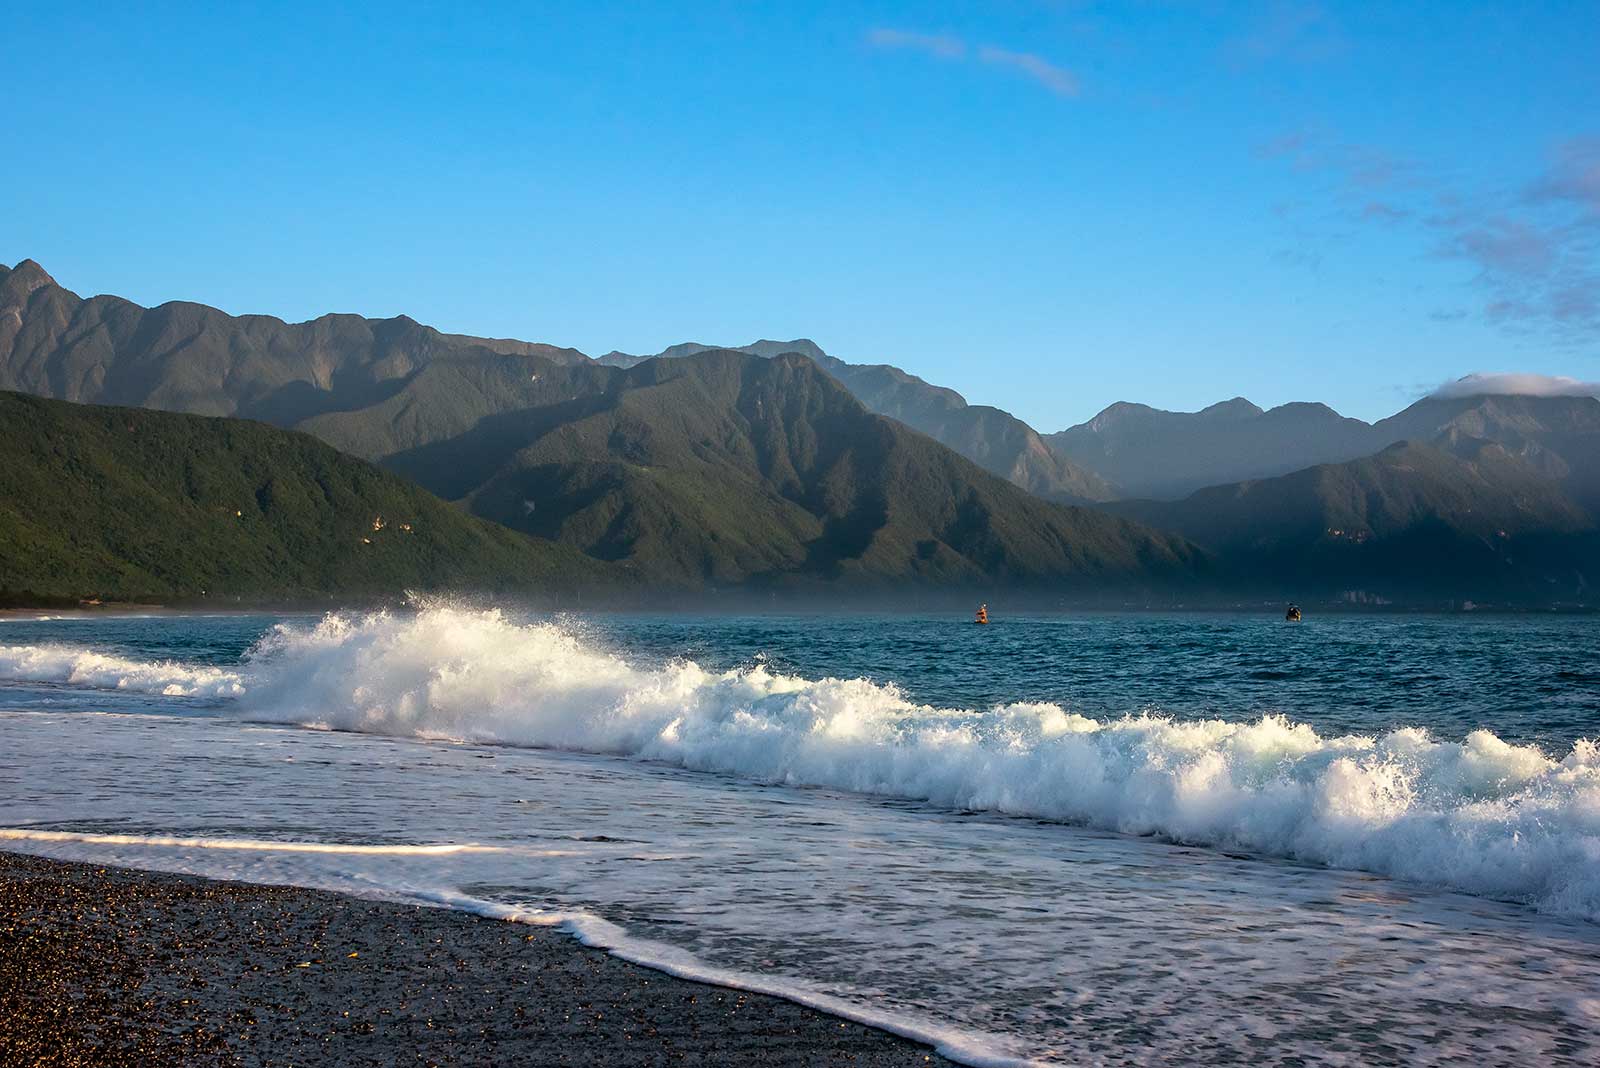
pixel 105 966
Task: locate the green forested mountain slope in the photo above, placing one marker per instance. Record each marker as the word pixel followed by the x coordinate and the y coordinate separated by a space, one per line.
pixel 995 440
pixel 726 468
pixel 128 503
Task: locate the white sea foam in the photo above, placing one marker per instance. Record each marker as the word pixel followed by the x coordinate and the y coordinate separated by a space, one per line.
pixel 1478 815
pixel 250 845
pixel 86 667
pixel 591 930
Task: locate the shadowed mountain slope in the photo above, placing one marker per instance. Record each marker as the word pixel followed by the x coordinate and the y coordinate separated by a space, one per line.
pixel 131 503
pixel 1412 521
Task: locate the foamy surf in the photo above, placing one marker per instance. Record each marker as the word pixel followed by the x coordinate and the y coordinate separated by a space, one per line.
pixel 166 852
pixel 597 933
pixel 78 666
pixel 1479 815
pixel 246 845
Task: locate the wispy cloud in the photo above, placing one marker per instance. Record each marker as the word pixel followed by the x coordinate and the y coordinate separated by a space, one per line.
pixel 942 45
pixel 1517 384
pixel 1379 211
pixel 1057 79
pixel 1574 175
pixel 1535 246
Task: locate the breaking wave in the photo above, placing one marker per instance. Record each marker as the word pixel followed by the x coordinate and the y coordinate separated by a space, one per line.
pixel 86 667
pixel 1477 815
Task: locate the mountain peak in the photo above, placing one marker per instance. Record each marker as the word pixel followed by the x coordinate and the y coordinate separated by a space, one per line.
pixel 24 278
pixel 803 345
pixel 1236 408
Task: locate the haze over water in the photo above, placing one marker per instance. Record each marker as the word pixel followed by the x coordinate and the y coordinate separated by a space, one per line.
pixel 1077 840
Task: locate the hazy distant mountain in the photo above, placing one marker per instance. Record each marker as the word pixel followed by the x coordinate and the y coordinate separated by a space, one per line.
pixel 996 440
pixel 128 503
pixel 1557 436
pixel 723 468
pixel 1412 521
pixel 1147 452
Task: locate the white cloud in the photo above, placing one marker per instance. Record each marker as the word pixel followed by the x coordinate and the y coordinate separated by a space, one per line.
pixel 1058 80
pixel 935 44
pixel 1517 384
pixel 1534 251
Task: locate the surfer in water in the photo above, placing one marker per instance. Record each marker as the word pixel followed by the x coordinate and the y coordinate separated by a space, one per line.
pixel 983 614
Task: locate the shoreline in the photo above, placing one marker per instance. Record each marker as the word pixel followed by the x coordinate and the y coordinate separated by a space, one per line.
pixel 106 965
pixel 1269 610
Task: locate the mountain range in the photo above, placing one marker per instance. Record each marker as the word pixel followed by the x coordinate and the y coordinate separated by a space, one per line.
pixel 1148 453
pixel 777 466
pixel 717 468
pixel 1489 497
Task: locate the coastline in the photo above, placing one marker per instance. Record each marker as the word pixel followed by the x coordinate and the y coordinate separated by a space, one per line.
pixel 103 965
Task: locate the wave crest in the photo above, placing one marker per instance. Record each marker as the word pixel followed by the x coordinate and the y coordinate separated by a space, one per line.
pixel 86 667
pixel 1479 815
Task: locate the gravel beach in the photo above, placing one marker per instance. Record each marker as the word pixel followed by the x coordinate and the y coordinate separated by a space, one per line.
pixel 106 966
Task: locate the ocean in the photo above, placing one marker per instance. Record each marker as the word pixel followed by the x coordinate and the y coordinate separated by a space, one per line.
pixel 1096 839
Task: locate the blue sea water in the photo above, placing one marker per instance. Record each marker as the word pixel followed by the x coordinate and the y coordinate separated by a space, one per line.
pixel 1064 839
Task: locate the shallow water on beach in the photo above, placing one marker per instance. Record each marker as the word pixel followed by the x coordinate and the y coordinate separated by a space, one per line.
pixel 1110 839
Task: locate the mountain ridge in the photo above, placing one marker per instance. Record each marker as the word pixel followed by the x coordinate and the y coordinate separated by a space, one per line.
pixel 706 491
pixel 991 437
pixel 824 489
pixel 1147 452
pixel 291 374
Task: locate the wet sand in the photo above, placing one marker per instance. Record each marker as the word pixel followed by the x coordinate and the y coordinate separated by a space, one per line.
pixel 110 967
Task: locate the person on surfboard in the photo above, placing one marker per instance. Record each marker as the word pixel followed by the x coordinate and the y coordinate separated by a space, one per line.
pixel 983 614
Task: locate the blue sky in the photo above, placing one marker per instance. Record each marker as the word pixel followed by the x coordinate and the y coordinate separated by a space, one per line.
pixel 1048 206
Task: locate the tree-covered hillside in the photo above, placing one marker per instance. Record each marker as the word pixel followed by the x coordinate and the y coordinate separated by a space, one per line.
pixel 126 503
pixel 724 468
